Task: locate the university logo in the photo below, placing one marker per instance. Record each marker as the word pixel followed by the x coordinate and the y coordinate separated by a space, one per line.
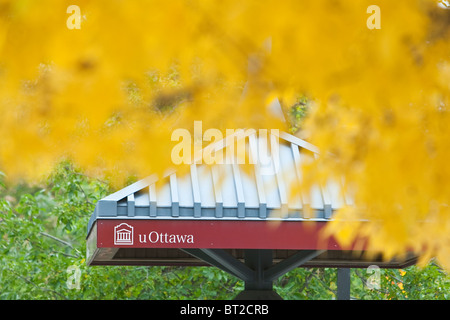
pixel 123 234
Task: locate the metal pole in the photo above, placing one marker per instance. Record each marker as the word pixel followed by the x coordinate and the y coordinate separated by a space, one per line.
pixel 343 284
pixel 258 287
pixel 258 260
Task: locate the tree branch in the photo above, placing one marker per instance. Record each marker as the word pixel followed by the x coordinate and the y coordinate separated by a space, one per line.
pixel 308 278
pixel 324 284
pixel 36 286
pixel 85 195
pixel 88 177
pixel 56 239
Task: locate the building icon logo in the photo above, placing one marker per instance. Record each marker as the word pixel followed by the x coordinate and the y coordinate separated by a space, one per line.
pixel 123 234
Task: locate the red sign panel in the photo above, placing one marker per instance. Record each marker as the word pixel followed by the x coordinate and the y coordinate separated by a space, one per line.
pixel 225 234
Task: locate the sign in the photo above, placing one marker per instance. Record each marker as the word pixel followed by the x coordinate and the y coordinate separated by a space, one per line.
pixel 224 234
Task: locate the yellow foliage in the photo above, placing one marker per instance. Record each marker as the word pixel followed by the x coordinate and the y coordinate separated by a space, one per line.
pixel 98 95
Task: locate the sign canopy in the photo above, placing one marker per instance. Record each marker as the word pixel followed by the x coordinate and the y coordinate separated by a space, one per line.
pixel 224 210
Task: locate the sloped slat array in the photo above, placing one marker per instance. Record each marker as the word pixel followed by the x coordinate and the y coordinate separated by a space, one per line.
pixel 232 190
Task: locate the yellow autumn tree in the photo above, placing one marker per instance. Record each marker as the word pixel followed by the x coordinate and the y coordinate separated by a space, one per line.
pixel 95 81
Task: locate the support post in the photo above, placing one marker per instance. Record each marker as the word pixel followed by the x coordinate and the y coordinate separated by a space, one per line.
pixel 258 260
pixel 259 287
pixel 343 284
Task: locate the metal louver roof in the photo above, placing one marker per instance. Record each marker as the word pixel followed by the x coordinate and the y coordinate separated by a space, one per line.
pixel 230 190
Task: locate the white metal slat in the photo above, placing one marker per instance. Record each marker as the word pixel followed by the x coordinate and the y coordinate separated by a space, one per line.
pixel 185 193
pixel 298 163
pixel 253 157
pixel 135 187
pixel 196 191
pixel 163 193
pixel 287 166
pixel 348 197
pixel 130 205
pixel 141 198
pixel 275 158
pixel 314 195
pixel 227 185
pixel 337 198
pixel 174 195
pixel 249 187
pixel 267 172
pixel 217 185
pixel 152 199
pixel 239 191
pixel 206 186
pixel 326 197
